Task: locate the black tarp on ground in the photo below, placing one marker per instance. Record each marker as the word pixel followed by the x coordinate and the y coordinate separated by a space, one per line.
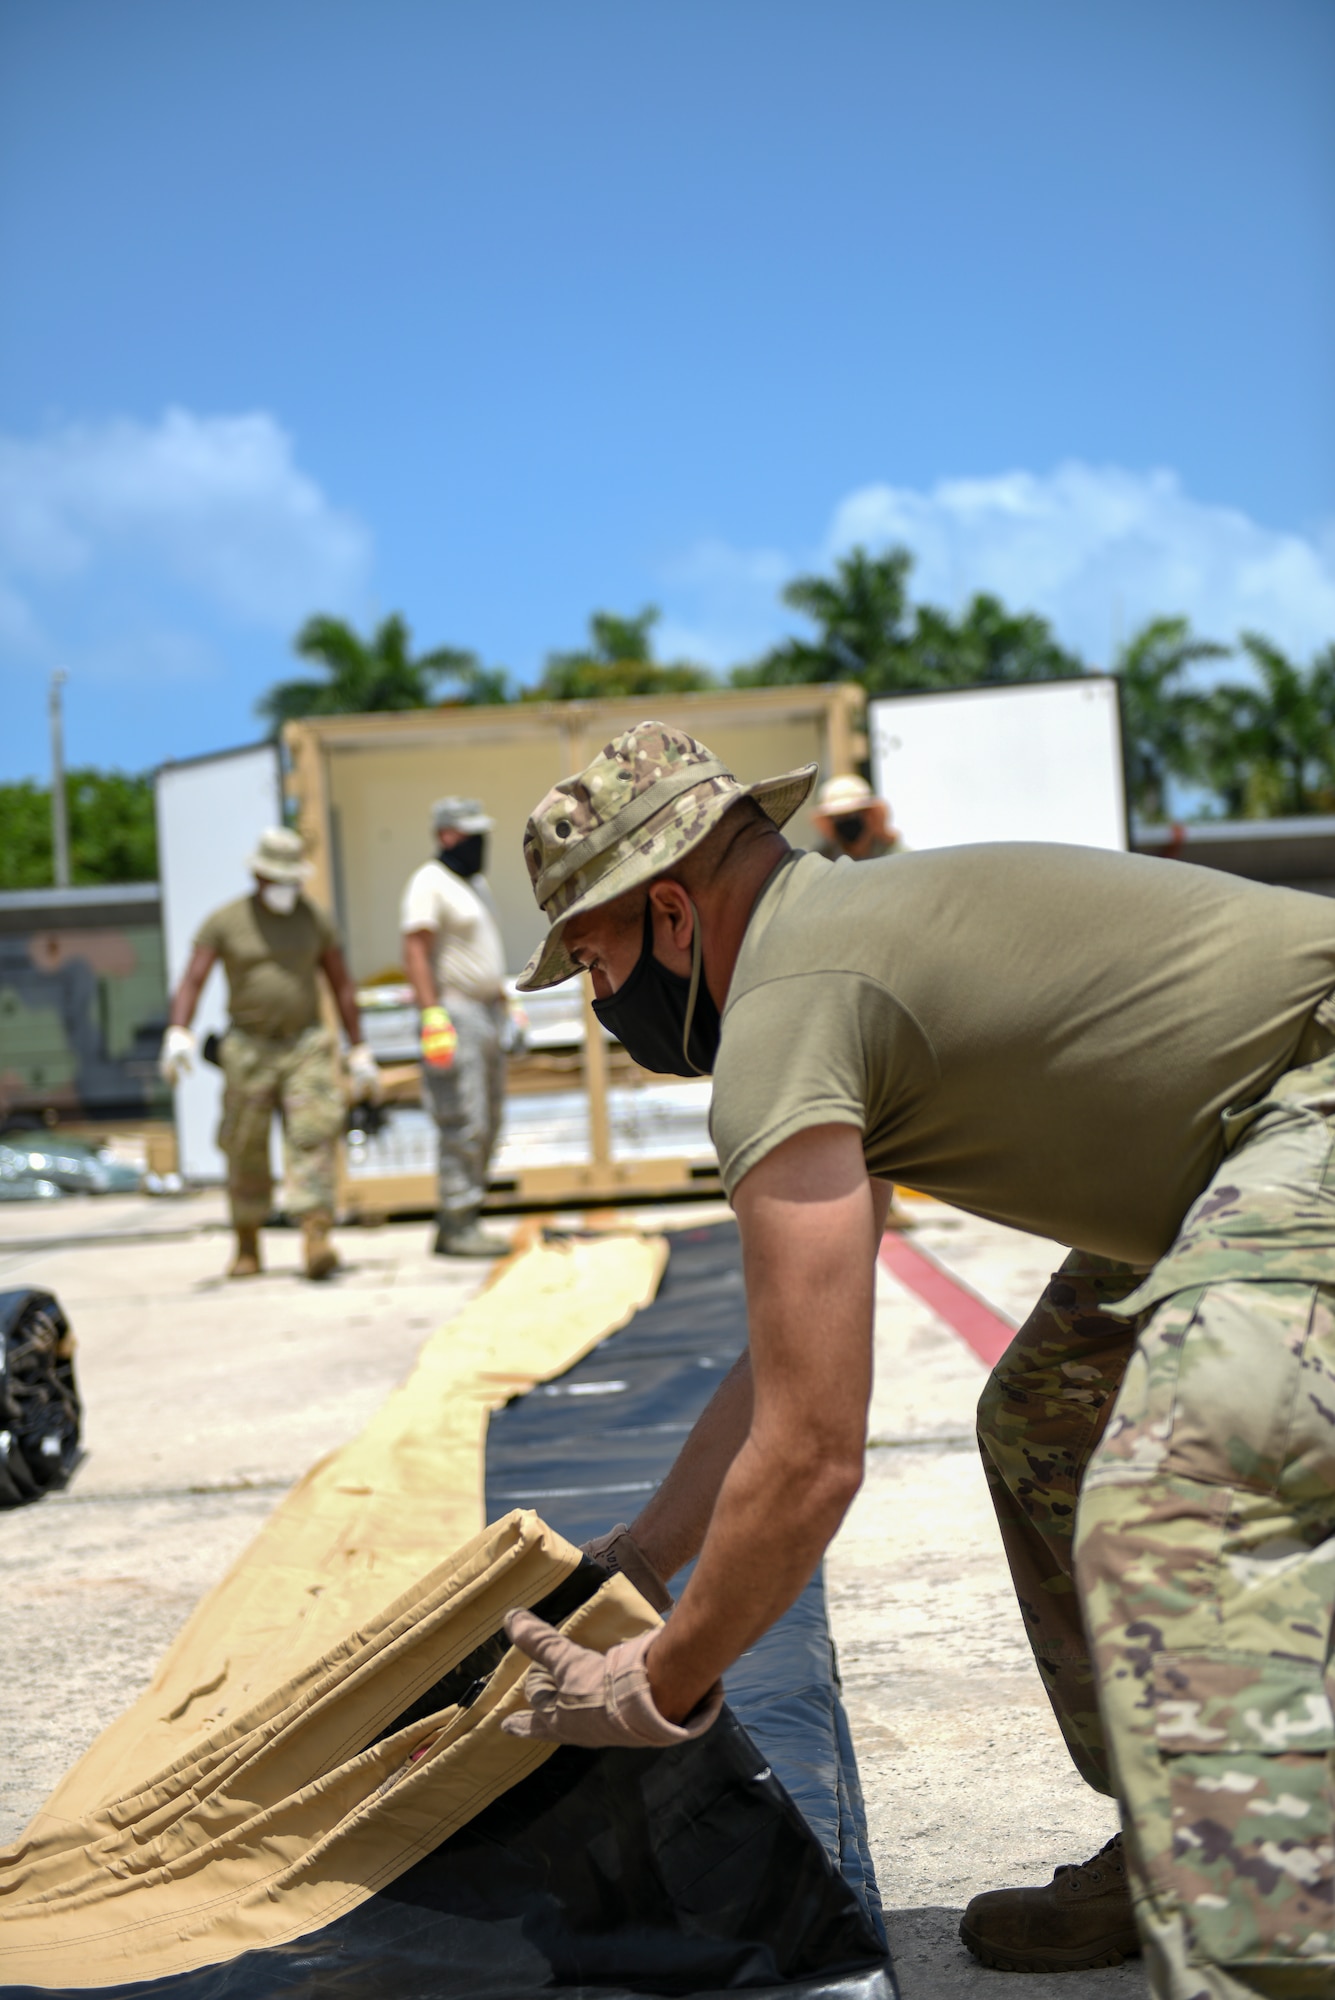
pixel 587 1450
pixel 612 1874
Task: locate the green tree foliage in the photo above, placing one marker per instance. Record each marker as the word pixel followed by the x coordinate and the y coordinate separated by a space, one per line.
pixel 1163 718
pixel 861 615
pixel 869 632
pixel 113 834
pixel 1267 748
pixel 987 645
pixel 366 675
pixel 618 661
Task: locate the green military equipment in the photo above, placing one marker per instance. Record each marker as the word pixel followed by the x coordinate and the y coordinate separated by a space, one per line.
pixel 83 999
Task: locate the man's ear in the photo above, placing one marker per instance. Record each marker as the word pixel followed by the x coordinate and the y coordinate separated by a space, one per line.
pixel 671 901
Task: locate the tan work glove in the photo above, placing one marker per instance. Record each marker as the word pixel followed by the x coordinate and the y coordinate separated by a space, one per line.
pixel 600 1701
pixel 618 1553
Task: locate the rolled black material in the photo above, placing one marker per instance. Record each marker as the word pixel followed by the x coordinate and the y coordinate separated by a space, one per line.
pixel 586 1451
pixel 39 1403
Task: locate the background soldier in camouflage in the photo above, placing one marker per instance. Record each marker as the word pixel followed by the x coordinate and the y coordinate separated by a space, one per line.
pixel 1134 1056
pixel 277 1056
pixel 301 1080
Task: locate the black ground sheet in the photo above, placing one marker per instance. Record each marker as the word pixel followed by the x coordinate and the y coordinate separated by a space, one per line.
pixel 737 1862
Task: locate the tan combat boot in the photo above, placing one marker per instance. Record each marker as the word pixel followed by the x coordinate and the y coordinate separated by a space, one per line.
pixel 321 1256
pixel 1081 1919
pixel 246 1257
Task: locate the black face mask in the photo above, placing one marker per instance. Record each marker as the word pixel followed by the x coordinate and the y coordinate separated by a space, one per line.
pixel 850 828
pixel 467 856
pixel 664 1021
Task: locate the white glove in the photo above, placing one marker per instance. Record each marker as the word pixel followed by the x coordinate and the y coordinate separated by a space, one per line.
pixel 177 1054
pixel 364 1071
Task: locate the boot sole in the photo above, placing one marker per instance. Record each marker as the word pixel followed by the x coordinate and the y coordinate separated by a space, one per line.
pixel 1088 1958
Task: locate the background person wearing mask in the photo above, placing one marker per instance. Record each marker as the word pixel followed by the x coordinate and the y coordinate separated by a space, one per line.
pixel 277 1055
pixel 852 821
pixel 455 962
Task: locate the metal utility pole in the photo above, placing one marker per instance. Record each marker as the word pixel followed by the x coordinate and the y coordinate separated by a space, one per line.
pixel 60 825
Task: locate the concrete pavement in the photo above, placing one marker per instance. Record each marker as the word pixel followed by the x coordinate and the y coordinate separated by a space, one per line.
pixel 205 1401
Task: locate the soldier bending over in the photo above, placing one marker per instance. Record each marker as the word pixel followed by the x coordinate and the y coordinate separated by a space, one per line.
pixel 1133 1056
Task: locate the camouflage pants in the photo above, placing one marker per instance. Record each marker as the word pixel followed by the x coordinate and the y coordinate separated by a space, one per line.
pixel 467 1101
pixel 300 1081
pixel 1166 1484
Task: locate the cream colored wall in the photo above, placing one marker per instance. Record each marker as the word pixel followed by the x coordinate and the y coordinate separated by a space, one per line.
pixel 383 803
pixel 382 797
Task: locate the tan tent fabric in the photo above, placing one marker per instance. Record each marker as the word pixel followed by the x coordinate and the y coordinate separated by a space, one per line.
pixel 368 1522
pixel 277 1823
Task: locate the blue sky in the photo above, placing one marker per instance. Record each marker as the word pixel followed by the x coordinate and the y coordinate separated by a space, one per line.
pixel 495 315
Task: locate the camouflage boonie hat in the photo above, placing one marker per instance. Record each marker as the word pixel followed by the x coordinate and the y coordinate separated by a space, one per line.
pixel 647 799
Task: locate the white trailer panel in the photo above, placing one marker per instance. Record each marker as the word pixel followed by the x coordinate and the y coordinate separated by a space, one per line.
pixel 1038 762
pixel 210 813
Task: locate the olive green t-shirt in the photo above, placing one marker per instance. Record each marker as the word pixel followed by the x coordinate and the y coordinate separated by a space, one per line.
pixel 1046 1036
pixel 270 962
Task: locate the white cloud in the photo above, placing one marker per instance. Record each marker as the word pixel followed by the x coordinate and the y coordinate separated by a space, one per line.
pixel 215 504
pixel 1095 549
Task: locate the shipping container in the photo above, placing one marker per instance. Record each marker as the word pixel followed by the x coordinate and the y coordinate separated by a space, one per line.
pixel 361 789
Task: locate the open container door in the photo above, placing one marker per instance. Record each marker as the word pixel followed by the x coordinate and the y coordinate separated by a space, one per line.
pixel 210 813
pixel 1042 761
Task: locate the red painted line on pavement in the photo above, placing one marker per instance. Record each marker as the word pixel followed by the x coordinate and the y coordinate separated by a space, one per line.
pixel 985 1331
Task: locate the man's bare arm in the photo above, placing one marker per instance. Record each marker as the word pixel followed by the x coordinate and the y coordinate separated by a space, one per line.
pixel 671 1529
pixel 335 969
pixel 418 950
pixel 810 1228
pixel 186 997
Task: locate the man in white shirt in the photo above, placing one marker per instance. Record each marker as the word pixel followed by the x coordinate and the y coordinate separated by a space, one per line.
pixel 455 962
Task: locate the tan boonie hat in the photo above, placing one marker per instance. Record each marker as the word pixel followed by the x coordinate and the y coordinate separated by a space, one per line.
pixel 844 795
pixel 647 799
pixel 280 856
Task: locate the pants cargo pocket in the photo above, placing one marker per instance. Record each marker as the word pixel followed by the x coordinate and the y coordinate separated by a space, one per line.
pixel 1248 1749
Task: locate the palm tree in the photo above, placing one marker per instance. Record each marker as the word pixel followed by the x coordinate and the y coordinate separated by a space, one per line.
pixel 987 646
pixel 1269 747
pixel 375 673
pixel 868 633
pixel 860 614
pixel 618 662
pixel 1164 721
